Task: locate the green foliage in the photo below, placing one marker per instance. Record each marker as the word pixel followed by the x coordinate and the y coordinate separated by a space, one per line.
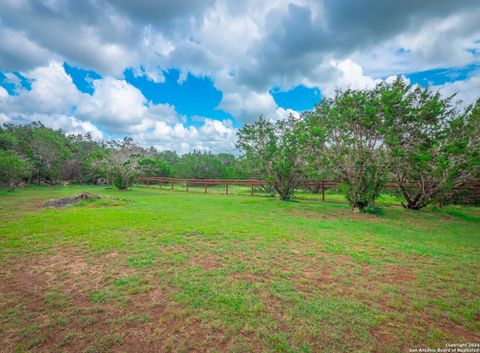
pixel 275 150
pixel 470 127
pixel 8 141
pixel 80 167
pixel 154 166
pixel 199 165
pixel 48 152
pixel 394 130
pixel 375 210
pixel 170 156
pixel 12 168
pixel 426 140
pixel 79 158
pixel 120 163
pixel 45 148
pixel 203 165
pixel 350 126
pixel 258 143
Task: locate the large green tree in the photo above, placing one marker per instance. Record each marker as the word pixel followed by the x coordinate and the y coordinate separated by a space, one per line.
pixel 426 140
pixel 47 149
pixel 79 167
pixel 119 164
pixel 275 150
pixel 471 127
pixel 350 125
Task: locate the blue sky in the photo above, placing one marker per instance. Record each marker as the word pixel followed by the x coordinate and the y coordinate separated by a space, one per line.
pixel 186 75
pixel 197 96
pixel 440 76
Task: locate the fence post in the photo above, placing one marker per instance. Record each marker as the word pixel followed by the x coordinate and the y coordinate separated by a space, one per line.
pixel 252 190
pixel 186 184
pixel 323 191
pixel 226 188
pixel 171 184
pixel 205 188
pixel 161 182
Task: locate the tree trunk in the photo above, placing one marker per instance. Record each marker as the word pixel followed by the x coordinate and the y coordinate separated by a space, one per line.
pixel 11 185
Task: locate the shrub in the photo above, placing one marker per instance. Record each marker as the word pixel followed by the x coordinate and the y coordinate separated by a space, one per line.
pixel 375 210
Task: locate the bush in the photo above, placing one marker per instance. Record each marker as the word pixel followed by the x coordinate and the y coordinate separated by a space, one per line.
pixel 375 210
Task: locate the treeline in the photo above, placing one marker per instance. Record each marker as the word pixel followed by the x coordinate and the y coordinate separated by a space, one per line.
pixel 409 134
pixel 424 142
pixel 34 153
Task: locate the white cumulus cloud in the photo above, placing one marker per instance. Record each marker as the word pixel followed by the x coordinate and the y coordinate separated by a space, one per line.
pixel 115 107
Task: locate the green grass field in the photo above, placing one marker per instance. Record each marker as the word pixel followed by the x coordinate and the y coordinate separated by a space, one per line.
pixel 162 271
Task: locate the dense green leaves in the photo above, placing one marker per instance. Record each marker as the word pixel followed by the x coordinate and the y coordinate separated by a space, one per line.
pixel 198 165
pixel 12 168
pixel 154 166
pixel 426 140
pixel 50 155
pixel 351 125
pixel 395 131
pixel 46 149
pixel 275 150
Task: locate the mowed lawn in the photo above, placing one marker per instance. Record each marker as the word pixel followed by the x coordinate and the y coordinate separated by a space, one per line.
pixel 162 271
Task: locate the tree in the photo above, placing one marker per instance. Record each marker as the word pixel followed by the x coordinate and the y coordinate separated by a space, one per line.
pixel 315 165
pixel 275 150
pixel 50 152
pixel 47 149
pixel 120 163
pixel 12 168
pixel 465 131
pixel 199 165
pixel 350 125
pixel 83 150
pixel 470 126
pixel 170 156
pixel 8 141
pixel 232 166
pixel 154 166
pixel 426 142
pixel 257 142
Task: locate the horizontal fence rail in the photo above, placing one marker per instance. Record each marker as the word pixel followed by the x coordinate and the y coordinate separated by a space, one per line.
pixel 203 181
pixel 468 185
pixel 321 184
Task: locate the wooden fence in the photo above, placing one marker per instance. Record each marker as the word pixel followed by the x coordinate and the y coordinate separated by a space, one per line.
pixel 205 182
pixel 320 184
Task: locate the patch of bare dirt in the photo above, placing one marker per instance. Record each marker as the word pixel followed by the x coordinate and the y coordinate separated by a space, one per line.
pixel 35 203
pixel 397 275
pixel 340 214
pixel 386 338
pixel 149 322
pixel 209 262
pixel 415 328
